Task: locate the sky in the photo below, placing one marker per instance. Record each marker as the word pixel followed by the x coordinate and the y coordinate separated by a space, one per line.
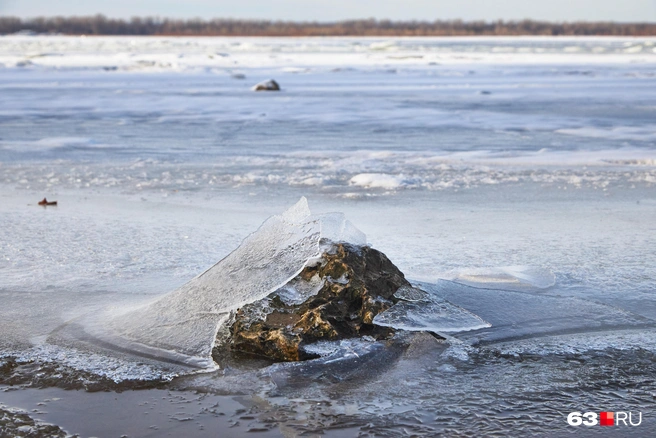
pixel 332 10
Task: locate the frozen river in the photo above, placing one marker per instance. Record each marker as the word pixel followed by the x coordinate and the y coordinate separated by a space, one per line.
pixel 468 161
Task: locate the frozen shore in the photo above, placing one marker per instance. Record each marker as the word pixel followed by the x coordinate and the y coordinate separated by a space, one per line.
pixel 512 177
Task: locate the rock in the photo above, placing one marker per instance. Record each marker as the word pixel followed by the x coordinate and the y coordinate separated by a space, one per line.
pixel 269 85
pixel 44 202
pixel 336 298
pixel 22 372
pixel 15 423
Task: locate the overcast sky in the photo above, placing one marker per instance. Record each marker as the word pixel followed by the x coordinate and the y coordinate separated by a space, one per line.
pixel 329 10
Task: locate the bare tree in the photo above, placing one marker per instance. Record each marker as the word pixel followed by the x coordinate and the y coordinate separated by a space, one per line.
pixel 101 25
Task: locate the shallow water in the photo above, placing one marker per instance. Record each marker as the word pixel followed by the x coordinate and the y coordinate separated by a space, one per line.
pixel 457 157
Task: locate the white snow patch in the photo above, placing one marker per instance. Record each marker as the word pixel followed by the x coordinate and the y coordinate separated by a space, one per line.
pixel 378 181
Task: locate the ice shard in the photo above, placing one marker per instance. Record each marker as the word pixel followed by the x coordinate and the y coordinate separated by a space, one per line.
pixel 418 310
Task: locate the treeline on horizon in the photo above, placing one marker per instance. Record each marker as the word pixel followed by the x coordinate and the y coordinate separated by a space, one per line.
pixel 101 25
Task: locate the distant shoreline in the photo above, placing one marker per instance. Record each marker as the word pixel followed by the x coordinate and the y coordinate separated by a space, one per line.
pixel 155 26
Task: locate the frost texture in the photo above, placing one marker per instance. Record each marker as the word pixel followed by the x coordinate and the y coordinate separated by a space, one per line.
pixel 421 311
pixel 182 325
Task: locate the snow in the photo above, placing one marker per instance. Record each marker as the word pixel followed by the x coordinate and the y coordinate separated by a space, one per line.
pixel 299 55
pixel 378 181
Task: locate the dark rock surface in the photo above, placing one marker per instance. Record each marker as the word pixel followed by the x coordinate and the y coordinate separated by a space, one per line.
pixel 20 424
pixel 31 374
pixel 352 284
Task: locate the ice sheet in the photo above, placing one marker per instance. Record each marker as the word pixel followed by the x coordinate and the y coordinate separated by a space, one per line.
pixel 300 55
pixel 515 315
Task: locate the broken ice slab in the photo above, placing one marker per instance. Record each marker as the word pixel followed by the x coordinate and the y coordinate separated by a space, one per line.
pixel 335 228
pixel 421 311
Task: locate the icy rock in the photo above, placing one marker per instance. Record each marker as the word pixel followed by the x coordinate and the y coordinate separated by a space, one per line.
pixel 343 291
pixel 182 326
pixel 299 279
pixel 16 423
pixel 269 85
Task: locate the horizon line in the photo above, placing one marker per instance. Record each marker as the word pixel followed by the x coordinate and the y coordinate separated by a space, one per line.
pixel 155 25
pixel 322 22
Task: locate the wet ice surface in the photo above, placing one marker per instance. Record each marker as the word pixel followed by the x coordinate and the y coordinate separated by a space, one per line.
pixel 510 178
pixel 422 390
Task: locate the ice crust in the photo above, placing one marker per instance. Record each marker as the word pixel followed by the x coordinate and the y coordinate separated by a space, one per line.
pixel 182 325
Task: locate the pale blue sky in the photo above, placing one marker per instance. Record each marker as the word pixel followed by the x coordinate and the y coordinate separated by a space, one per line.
pixel 328 10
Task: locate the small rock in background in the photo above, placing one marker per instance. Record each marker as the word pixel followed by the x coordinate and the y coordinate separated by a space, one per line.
pixel 45 202
pixel 269 85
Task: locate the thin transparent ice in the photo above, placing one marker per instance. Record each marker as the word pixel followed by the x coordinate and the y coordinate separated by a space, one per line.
pixel 420 311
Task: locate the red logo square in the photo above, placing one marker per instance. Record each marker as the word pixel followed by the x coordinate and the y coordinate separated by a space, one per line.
pixel 606 419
